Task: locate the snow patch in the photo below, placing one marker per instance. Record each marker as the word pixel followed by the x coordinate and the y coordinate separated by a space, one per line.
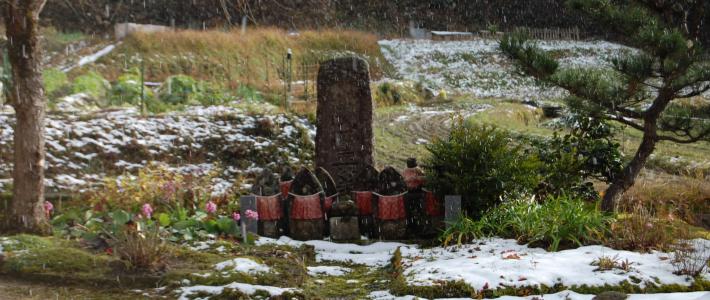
pixel 564 295
pixel 502 262
pixel 249 289
pixel 242 265
pixel 376 254
pixel 328 271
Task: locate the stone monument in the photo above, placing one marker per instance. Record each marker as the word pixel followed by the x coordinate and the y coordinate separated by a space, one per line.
pixel 344 139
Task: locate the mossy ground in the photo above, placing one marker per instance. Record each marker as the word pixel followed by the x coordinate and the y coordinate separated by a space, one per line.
pixel 47 267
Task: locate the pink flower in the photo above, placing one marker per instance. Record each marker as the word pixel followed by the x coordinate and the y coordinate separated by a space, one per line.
pixel 252 214
pixel 210 207
pixel 236 216
pixel 48 208
pixel 649 225
pixel 147 210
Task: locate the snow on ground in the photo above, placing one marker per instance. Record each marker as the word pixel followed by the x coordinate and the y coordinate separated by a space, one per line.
pixel 325 270
pixel 503 263
pixel 564 295
pixel 90 58
pixel 479 68
pixel 243 265
pixel 377 254
pixel 185 293
pixel 83 149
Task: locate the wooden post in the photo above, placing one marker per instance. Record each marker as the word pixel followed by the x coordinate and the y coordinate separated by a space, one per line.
pixel 142 86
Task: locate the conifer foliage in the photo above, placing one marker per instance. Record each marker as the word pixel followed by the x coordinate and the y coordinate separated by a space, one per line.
pixel 649 88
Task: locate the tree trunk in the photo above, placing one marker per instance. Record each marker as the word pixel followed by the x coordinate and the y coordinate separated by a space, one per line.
pixel 26 212
pixel 626 179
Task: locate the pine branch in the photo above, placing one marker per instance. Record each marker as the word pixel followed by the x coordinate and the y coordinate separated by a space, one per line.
pixel 625 121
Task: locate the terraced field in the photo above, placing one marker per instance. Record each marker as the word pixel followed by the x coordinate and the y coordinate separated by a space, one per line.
pixel 402 132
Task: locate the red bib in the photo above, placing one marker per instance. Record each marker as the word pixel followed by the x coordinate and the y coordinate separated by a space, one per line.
pixel 306 208
pixel 269 208
pixel 391 208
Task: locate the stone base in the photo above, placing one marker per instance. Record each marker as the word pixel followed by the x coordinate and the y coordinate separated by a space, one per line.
pixel 304 230
pixel 431 227
pixel 367 226
pixel 269 229
pixel 392 230
pixel 344 228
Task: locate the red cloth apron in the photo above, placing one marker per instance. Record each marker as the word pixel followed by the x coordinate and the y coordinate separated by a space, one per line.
pixel 433 206
pixel 364 202
pixel 391 207
pixel 306 207
pixel 269 208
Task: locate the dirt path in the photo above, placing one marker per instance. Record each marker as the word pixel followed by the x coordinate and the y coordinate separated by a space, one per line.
pixel 12 289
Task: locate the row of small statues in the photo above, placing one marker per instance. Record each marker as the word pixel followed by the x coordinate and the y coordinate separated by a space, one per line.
pixel 377 204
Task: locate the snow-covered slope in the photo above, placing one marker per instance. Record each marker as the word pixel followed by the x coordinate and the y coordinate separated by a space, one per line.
pixel 83 149
pixel 478 67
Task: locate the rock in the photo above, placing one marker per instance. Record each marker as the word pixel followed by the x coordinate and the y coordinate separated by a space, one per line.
pixel 305 183
pixel 344 228
pixel 366 179
pixel 344 138
pixel 266 184
pixel 344 208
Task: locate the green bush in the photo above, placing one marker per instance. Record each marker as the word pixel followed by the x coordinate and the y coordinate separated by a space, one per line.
pixel 127 90
pixel 92 84
pixel 178 89
pixel 557 222
pixel 55 82
pixel 480 163
pixel 587 151
pixel 248 93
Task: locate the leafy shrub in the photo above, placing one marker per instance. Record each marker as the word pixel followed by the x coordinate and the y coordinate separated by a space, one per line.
pixel 388 94
pixel 92 84
pixel 481 164
pixel 248 93
pixel 178 89
pixel 127 90
pixel 568 162
pixel 55 82
pixel 558 222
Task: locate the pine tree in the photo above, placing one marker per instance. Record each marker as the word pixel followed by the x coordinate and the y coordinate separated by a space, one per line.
pixel 646 88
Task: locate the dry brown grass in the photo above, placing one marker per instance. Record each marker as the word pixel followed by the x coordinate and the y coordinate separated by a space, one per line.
pixel 255 58
pixel 670 196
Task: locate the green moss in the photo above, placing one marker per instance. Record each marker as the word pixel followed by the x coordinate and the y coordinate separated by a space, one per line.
pixel 92 84
pixel 55 82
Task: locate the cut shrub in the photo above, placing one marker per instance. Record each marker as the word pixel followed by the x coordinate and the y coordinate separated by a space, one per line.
pixel 482 164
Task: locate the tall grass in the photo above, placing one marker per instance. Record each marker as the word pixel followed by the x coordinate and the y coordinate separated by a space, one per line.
pixel 255 58
pixel 556 223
